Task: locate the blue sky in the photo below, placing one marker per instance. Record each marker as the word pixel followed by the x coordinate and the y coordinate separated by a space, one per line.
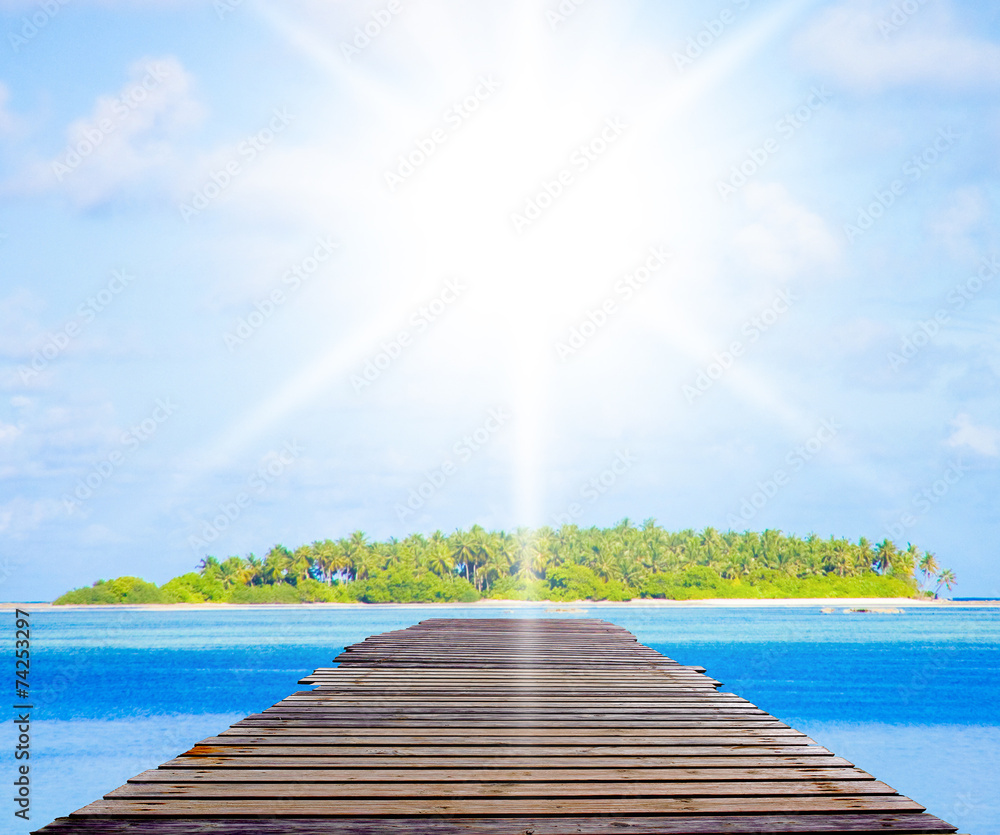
pixel 275 272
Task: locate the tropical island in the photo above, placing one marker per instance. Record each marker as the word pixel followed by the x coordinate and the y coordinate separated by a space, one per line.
pixel 620 563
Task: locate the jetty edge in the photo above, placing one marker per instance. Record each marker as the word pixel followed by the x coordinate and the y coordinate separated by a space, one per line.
pixel 508 726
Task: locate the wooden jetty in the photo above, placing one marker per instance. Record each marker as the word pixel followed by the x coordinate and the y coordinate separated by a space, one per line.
pixel 505 727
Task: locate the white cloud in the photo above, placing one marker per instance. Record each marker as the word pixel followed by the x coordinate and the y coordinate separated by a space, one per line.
pixel 25 5
pixel 8 432
pixel 954 224
pixel 128 140
pixel 9 123
pixel 36 348
pixel 96 534
pixel 787 238
pixel 19 322
pixel 58 441
pixel 851 43
pixel 982 439
pixel 861 335
pixel 20 515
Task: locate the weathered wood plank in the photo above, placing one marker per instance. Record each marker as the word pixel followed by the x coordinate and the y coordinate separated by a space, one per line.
pixel 661 671
pixel 493 806
pixel 733 761
pixel 488 698
pixel 621 788
pixel 749 748
pixel 539 709
pixel 800 824
pixel 391 722
pixel 446 736
pixel 680 692
pixel 475 725
pixel 472 775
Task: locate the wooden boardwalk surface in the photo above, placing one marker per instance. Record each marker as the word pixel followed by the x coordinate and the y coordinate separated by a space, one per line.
pixel 500 727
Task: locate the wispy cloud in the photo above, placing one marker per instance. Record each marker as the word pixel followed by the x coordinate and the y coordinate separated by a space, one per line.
pixel 982 439
pixel 128 142
pixel 10 123
pixel 850 43
pixel 955 224
pixel 786 239
pixel 20 516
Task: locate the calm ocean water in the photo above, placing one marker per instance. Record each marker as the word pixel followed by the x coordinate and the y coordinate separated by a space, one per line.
pixel 911 697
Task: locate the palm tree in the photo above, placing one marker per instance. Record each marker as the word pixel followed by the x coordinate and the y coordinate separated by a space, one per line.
pixel 439 559
pixel 529 557
pixel 463 551
pixel 482 544
pixel 208 566
pixel 865 559
pixel 407 558
pixel 300 563
pixel 771 548
pixel 929 565
pixel 907 561
pixel 630 570
pixel 743 562
pixel 781 552
pixel 947 579
pixel 328 558
pixel 547 543
pixel 812 555
pixel 605 565
pixel 252 571
pixel 712 546
pixel 380 556
pixel 886 556
pixel 276 564
pixel 729 570
pixel 498 558
pixel 839 557
pixel 231 572
pixel 354 548
pixel 656 557
pixel 368 562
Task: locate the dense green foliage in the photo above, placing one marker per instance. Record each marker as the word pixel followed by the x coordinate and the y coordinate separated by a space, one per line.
pixel 567 564
pixel 119 590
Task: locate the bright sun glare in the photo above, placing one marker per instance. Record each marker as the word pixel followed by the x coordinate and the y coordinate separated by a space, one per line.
pixel 477 193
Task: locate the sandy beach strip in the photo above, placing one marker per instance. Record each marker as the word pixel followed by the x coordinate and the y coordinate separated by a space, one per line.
pixel 836 604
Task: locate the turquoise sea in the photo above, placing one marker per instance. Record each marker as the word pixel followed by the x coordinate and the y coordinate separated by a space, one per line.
pixel 910 697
